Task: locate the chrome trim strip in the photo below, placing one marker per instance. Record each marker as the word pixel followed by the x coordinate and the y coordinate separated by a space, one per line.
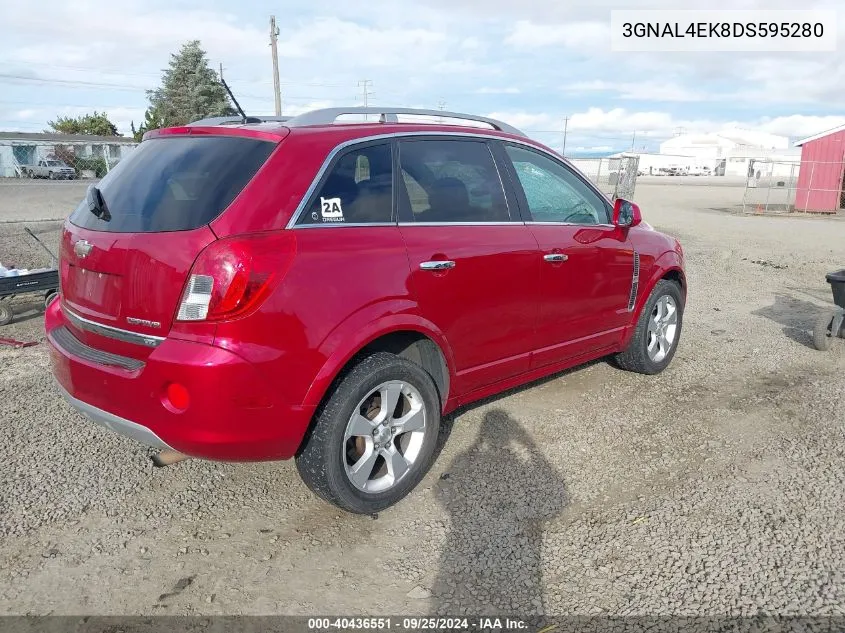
pixel 460 223
pixel 115 423
pixel 146 340
pixel 603 226
pixel 300 209
pixel 333 225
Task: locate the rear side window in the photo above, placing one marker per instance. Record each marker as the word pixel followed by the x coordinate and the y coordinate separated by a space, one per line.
pixel 175 184
pixel 451 181
pixel 357 189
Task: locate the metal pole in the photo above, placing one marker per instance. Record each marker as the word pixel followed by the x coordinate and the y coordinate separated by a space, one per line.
pixel 277 91
pixel 769 189
pixel 565 129
pixel 365 84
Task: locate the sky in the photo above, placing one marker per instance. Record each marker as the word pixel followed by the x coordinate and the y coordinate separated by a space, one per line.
pixel 532 63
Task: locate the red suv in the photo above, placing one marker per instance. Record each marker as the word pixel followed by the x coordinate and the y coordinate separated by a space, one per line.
pixel 329 290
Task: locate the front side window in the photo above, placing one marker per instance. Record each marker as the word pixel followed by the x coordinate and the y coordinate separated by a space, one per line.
pixel 358 189
pixel 451 181
pixel 555 193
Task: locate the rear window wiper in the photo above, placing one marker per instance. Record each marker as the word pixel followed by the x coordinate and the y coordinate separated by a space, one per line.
pixel 97 204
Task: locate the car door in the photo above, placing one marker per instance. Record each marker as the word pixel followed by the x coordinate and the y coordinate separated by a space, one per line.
pixel 474 265
pixel 587 263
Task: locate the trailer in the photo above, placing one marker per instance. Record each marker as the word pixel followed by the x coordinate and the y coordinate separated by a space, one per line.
pixel 44 281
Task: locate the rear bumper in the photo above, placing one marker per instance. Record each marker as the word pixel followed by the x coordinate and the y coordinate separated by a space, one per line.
pixel 233 413
pixel 115 423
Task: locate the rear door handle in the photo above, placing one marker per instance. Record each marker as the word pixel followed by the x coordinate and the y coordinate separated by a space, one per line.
pixel 555 258
pixel 437 265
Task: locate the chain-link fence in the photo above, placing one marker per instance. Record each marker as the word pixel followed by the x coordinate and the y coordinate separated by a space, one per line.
pixel 53 157
pixel 793 187
pixel 617 177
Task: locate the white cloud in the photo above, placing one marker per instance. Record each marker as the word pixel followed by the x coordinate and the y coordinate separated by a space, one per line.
pixel 620 124
pixel 642 91
pixel 526 120
pixel 529 35
pixel 498 91
pixel 148 30
pixel 801 125
pixel 595 148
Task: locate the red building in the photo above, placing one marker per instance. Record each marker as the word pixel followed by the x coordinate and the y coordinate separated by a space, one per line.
pixel 820 181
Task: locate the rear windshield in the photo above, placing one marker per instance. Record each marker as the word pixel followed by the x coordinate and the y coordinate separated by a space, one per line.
pixel 175 184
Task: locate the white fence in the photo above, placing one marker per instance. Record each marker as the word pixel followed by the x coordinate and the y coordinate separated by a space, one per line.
pixel 60 159
pixel 617 177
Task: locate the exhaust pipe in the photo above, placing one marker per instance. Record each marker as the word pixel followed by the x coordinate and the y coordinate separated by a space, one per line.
pixel 168 457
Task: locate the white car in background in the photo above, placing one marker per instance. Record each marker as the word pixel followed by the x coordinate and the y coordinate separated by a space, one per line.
pixel 698 170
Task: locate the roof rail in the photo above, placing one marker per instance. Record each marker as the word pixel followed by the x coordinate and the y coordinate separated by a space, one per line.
pixel 238 120
pixel 328 116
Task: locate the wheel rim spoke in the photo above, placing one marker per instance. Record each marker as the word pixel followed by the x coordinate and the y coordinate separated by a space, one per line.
pixel 359 426
pixel 363 468
pixel 413 421
pixel 397 465
pixel 390 395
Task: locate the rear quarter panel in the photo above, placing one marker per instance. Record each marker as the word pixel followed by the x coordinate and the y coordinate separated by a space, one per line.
pixel 346 286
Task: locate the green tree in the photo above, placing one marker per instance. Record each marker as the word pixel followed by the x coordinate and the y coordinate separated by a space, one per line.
pixel 153 120
pixel 189 90
pixel 97 123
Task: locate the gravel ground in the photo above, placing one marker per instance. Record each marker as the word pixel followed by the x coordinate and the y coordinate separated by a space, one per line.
pixel 29 200
pixel 715 488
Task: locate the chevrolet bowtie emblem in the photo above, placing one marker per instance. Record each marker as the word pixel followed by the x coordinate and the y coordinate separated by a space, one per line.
pixel 82 248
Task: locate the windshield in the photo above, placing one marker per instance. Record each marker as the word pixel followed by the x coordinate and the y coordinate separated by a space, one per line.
pixel 177 183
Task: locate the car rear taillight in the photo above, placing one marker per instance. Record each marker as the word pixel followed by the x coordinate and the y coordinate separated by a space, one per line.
pixel 232 276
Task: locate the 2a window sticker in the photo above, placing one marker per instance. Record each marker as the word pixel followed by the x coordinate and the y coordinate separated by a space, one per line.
pixel 331 209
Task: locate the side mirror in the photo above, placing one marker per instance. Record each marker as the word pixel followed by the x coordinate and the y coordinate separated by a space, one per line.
pixel 626 213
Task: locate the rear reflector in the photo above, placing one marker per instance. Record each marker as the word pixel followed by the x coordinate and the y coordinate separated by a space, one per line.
pixel 177 396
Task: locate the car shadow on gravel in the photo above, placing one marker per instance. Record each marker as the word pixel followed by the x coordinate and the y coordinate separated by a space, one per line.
pixel 499 493
pixel 796 315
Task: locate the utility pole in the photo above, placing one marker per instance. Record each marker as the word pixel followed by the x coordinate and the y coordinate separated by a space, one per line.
pixel 565 130
pixel 633 140
pixel 277 91
pixel 366 93
pixel 441 106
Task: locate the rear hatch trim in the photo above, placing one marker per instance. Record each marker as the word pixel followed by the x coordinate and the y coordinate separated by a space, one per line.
pixel 147 340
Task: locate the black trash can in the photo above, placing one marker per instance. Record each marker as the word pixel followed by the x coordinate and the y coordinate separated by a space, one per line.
pixel 837 283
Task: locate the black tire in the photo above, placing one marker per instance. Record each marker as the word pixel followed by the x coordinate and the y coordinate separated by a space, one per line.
pixel 635 357
pixel 6 314
pixel 321 460
pixel 822 336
